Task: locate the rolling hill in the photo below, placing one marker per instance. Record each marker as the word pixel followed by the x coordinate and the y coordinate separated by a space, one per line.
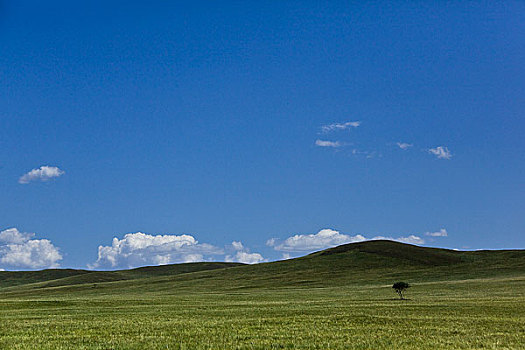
pixel 338 298
pixel 371 262
pixel 56 277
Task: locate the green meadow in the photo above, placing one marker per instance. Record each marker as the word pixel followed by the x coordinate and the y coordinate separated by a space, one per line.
pixel 339 298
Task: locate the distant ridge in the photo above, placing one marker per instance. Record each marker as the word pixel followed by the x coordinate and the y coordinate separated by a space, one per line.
pixel 369 262
pixel 397 250
pixel 55 277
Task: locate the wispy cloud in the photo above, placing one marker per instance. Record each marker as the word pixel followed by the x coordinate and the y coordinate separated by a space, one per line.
pixel 441 233
pixel 44 173
pixel 322 143
pixel 19 250
pixel 271 242
pixel 441 152
pixel 367 154
pixel 340 126
pixel 403 145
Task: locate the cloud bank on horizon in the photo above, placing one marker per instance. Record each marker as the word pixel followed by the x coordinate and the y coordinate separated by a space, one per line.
pixel 328 238
pixel 20 250
pixel 304 243
pixel 140 249
pixel 243 255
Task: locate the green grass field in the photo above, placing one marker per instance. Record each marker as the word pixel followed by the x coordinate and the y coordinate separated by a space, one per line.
pixel 336 299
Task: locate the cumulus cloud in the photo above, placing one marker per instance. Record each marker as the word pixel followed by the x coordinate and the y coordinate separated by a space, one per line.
pixel 139 249
pixel 44 173
pixel 243 255
pixel 403 145
pixel 246 258
pixel 440 233
pixel 440 152
pixel 340 126
pixel 237 245
pixel 19 250
pixel 13 236
pixel 328 238
pixel 322 143
pixel 323 239
pixel 412 239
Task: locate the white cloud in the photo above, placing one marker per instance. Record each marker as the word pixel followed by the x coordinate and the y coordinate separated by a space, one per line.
pixel 440 233
pixel 404 146
pixel 271 242
pixel 246 258
pixel 44 173
pixel 237 245
pixel 440 152
pixel 188 258
pixel 340 126
pixel 412 239
pixel 13 236
pixel 323 239
pixel 322 143
pixel 328 238
pixel 18 250
pixel 243 255
pixel 367 154
pixel 139 249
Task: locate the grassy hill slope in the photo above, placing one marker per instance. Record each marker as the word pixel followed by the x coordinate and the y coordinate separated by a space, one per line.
pixel 62 277
pixel 339 298
pixel 14 278
pixel 373 262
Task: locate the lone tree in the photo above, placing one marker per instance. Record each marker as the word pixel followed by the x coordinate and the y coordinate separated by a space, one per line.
pixel 400 287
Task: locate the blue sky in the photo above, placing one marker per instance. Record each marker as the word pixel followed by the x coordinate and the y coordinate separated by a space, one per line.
pixel 211 123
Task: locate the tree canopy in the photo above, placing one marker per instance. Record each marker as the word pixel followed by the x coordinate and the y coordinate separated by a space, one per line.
pixel 400 287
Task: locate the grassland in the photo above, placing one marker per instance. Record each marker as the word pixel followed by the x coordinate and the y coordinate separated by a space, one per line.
pixel 335 299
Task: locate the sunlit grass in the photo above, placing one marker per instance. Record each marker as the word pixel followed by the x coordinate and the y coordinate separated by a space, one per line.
pixel 459 315
pixel 337 299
